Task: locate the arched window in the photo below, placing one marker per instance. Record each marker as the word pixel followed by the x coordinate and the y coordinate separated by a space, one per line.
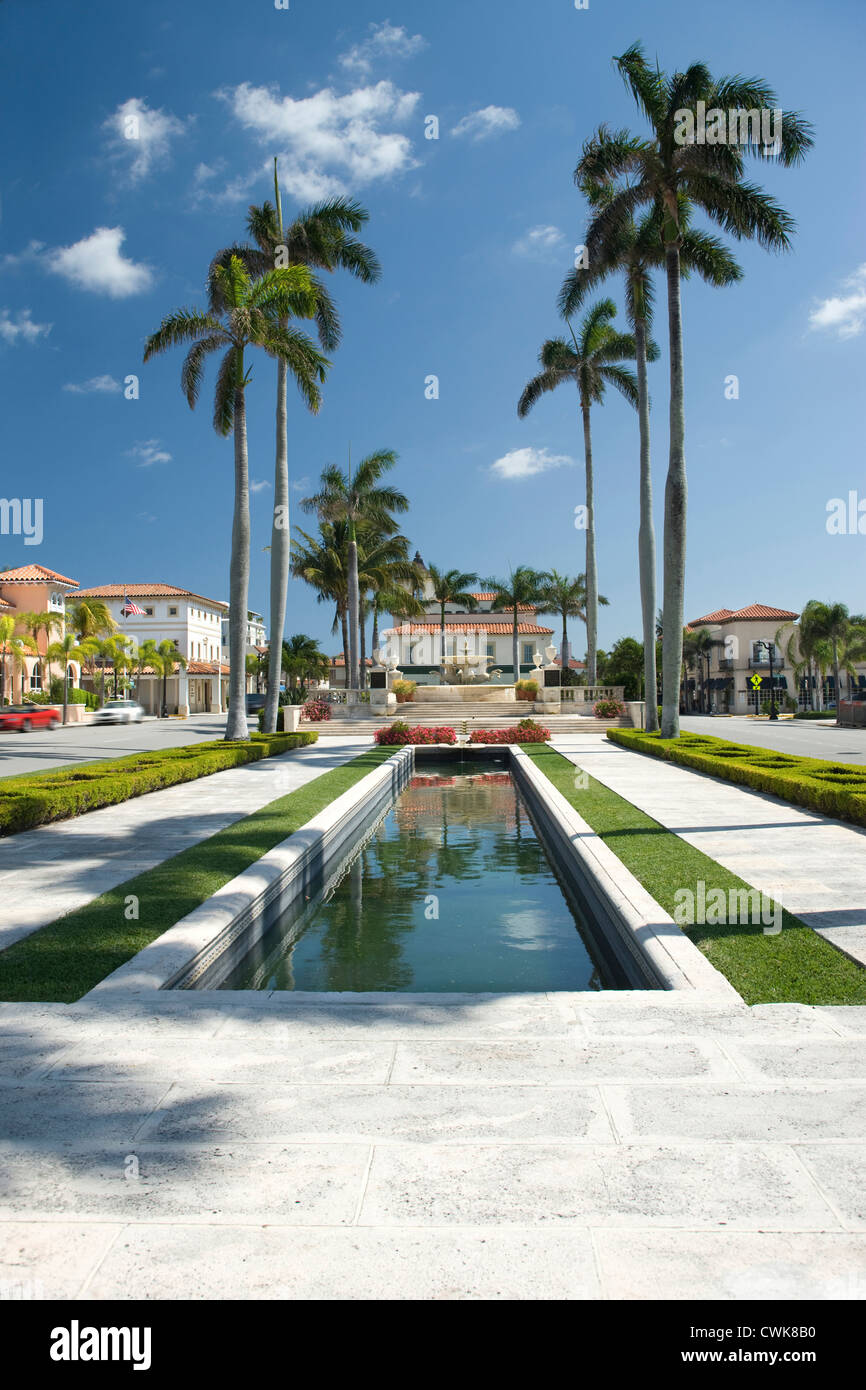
pixel 36 677
pixel 70 675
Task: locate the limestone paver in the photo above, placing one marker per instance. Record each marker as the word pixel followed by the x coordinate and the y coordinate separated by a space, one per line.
pixel 532 1146
pixel 55 869
pixel 813 866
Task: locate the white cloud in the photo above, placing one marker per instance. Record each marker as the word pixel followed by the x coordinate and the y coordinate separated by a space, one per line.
pixel 539 242
pixel 258 484
pixel 385 41
pixel 845 314
pixel 525 463
pixel 31 252
pixel 148 452
pixel 141 136
pixel 21 327
pixel 95 263
pixel 97 385
pixel 327 138
pixel 489 120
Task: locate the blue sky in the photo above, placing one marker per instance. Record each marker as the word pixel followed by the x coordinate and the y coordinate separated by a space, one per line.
pixel 101 235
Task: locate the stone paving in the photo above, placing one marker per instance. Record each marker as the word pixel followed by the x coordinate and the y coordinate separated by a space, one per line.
pixel 433 1147
pixel 813 866
pixel 48 872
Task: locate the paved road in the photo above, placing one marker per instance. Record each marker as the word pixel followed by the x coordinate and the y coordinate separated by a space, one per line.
pixel 85 743
pixel 812 740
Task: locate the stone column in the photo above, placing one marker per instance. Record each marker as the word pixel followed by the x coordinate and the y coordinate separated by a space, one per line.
pixel 182 694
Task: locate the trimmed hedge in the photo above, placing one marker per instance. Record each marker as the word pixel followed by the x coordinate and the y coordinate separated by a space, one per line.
pixel 833 789
pixel 28 801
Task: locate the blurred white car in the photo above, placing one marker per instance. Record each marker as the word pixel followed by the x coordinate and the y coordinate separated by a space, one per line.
pixel 119 712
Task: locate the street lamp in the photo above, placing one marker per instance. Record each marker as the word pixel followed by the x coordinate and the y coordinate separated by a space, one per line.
pixel 770 646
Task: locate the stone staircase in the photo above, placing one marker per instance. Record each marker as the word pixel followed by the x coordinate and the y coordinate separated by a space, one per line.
pixel 492 714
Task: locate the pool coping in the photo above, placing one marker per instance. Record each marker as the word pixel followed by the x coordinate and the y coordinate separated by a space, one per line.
pixel 638 926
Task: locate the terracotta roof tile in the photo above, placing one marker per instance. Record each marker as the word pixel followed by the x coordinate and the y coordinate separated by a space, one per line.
pixel 755 611
pixel 35 574
pixel 156 589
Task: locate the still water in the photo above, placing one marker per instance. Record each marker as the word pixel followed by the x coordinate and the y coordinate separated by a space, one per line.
pixel 451 891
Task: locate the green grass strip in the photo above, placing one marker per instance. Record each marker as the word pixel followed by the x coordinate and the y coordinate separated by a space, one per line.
pixel 61 962
pixel 795 966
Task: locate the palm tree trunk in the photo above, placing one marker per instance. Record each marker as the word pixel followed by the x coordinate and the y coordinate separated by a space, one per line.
pixel 280 546
pixel 646 543
pixel 353 609
pixel 239 580
pixel 515 648
pixel 442 642
pixel 565 652
pixel 362 645
pixel 345 630
pixel 591 574
pixel 836 689
pixel 676 493
pixel 375 639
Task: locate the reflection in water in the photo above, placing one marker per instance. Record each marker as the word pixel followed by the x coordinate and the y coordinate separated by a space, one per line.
pixel 452 891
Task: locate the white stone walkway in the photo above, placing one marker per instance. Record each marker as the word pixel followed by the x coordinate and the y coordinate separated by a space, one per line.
pixel 48 872
pixel 813 866
pixel 510 1147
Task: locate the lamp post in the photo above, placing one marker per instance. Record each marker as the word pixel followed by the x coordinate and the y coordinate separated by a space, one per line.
pixel 770 646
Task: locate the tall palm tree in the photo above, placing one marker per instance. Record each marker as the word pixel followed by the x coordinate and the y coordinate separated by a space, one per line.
pixel 90 618
pixel 450 586
pixel 322 237
pixel 302 659
pixel 634 249
pixel 710 176
pixel 522 589
pixel 703 644
pixel 14 648
pixel 163 659
pixel 591 362
pixel 832 623
pixel 66 649
pixel 38 624
pixel 567 599
pixel 322 562
pixel 384 568
pixel 359 499
pixel 243 313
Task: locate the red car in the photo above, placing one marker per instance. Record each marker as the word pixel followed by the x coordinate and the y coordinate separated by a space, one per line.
pixel 27 717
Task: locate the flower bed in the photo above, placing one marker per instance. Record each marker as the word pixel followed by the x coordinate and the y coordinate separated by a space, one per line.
pixel 608 709
pixel 399 735
pixel 527 731
pixel 317 711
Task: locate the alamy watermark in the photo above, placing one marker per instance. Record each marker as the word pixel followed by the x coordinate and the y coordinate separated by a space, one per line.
pixel 739 126
pixel 22 516
pixel 714 907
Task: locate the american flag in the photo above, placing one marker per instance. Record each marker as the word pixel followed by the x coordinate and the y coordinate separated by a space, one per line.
pixel 130 609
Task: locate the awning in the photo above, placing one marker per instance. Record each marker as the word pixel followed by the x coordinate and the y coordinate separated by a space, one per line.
pixel 721 682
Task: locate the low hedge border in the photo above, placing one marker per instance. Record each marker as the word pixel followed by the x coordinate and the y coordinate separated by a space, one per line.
pixel 832 789
pixel 39 798
pixel 64 960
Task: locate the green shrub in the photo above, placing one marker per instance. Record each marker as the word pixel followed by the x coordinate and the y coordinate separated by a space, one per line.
pixel 830 789
pixel 526 689
pixel 34 800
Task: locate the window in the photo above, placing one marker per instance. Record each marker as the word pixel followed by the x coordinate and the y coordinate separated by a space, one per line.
pixel 491 650
pixel 36 677
pixel 172 612
pixel 528 653
pixel 149 612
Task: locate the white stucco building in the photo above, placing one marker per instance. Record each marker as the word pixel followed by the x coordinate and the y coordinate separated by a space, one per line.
pixel 189 620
